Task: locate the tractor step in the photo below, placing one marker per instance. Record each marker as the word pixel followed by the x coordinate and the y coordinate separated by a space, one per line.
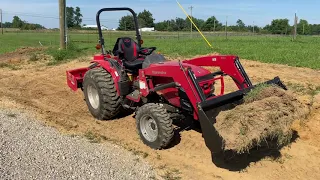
pixel 134 96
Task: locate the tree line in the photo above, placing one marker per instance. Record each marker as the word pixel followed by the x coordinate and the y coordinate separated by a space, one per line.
pixel 145 18
pixel 73 20
pixel 24 25
pixel 277 26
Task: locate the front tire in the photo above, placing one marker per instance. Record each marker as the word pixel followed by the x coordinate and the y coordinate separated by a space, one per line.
pixel 154 125
pixel 101 95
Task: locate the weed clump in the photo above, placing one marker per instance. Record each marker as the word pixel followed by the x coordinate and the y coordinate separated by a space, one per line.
pixel 267 112
pixel 61 55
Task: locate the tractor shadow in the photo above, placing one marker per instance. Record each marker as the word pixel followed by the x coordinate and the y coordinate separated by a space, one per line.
pixel 180 126
pixel 229 159
pixel 237 162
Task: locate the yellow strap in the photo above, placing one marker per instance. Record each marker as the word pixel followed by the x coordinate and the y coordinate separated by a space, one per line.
pixel 194 25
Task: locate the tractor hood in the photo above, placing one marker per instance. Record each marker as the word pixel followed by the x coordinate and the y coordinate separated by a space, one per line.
pixel 200 72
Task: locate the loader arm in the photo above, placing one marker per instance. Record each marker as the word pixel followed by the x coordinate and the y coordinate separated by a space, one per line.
pixel 229 65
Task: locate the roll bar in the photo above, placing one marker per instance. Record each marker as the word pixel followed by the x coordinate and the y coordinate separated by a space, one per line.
pixel 101 39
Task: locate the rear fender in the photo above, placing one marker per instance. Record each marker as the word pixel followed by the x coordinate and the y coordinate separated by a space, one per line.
pixel 112 70
pixel 75 76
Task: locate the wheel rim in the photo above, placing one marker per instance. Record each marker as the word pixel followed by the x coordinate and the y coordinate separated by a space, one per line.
pixel 149 128
pixel 93 96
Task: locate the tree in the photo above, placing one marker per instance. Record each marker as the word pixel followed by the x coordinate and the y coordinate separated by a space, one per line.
pixel 17 22
pixel 211 24
pixel 303 27
pixel 279 26
pixel 146 19
pixel 198 22
pixel 70 17
pixel 74 17
pixel 161 26
pixel 315 29
pixel 78 17
pixel 24 25
pixel 126 23
pixel 180 24
pixel 241 25
pixel 7 25
pixel 250 29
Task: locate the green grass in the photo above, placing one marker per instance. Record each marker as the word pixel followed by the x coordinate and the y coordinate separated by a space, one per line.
pixel 270 49
pixel 62 55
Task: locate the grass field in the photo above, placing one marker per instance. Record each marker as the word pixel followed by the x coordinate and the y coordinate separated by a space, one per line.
pixel 271 49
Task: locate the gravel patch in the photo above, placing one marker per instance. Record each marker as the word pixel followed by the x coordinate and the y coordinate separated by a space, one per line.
pixel 30 150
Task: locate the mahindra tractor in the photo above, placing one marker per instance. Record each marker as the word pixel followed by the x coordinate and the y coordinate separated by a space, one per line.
pixel 134 78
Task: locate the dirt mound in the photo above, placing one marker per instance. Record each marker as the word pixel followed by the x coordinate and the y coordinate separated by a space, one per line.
pixel 19 55
pixel 267 112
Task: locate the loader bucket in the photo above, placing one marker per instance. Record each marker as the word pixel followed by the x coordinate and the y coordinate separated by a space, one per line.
pixel 209 109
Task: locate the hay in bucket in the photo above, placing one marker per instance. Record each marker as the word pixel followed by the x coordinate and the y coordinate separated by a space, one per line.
pixel 267 112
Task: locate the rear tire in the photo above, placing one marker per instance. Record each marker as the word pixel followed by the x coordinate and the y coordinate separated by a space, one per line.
pixel 100 93
pixel 154 125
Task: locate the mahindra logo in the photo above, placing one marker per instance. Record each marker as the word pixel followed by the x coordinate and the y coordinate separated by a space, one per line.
pixel 159 72
pixel 127 40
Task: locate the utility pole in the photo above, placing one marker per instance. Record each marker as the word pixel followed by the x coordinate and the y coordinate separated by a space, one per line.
pixel 1 24
pixel 65 24
pixel 303 29
pixel 214 25
pixel 295 26
pixel 191 7
pixel 253 28
pixel 62 16
pixel 226 27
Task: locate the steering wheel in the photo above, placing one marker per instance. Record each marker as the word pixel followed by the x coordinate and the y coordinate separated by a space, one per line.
pixel 147 51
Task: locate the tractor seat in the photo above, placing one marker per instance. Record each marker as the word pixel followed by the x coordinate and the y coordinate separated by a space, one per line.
pixel 128 51
pixel 133 65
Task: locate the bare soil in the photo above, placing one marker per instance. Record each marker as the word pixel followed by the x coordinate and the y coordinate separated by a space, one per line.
pixel 43 90
pixel 19 55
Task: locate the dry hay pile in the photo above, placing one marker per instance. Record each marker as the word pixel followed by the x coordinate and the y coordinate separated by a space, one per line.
pixel 267 112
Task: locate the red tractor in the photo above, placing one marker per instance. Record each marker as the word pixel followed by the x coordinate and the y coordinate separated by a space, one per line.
pixel 137 79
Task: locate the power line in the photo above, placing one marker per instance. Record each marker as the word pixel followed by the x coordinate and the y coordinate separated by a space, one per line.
pixel 29 15
pixel 52 17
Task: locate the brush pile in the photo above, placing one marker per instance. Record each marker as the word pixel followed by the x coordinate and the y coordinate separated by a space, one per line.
pixel 267 112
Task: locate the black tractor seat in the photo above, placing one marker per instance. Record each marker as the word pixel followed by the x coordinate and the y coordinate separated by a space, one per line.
pixel 134 57
pixel 133 65
pixel 128 51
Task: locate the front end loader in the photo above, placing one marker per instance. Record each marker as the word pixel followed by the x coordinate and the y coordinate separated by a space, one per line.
pixel 134 78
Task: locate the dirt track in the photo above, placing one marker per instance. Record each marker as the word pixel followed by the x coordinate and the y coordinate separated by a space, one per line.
pixel 43 90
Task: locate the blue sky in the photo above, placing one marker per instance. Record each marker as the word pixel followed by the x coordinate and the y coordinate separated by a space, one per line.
pixel 260 12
